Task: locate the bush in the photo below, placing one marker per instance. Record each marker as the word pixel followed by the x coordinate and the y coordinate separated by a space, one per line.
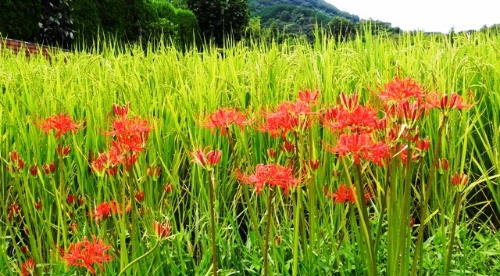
pixel 19 19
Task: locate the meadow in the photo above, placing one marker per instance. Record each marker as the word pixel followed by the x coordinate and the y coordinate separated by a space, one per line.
pixel 376 156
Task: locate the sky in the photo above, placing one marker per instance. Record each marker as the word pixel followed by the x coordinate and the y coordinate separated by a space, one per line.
pixel 426 15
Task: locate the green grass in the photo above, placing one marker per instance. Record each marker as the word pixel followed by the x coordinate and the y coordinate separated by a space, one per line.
pixel 175 91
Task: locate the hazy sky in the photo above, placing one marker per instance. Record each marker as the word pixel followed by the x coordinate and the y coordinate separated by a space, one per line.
pixel 427 15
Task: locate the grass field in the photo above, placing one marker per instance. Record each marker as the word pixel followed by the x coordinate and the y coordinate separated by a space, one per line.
pixel 384 151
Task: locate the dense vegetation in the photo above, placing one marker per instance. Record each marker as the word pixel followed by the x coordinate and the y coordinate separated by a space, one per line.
pixel 104 165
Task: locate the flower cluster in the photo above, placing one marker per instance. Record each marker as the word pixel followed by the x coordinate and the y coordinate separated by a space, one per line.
pixel 105 210
pixel 130 136
pixel 61 124
pixel 272 174
pixel 223 118
pixel 87 254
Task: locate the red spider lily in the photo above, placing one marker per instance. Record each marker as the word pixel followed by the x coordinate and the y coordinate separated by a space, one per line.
pixel 443 164
pixel 61 123
pixel 423 144
pixel 154 171
pixel 38 205
pixel 309 97
pixel 168 188
pixel 139 196
pixel 70 199
pixel 314 164
pixel 81 200
pixel 459 179
pixel 33 170
pixel 63 151
pixel 343 194
pixel 360 145
pixel 131 134
pixel 108 160
pixel 121 111
pixel 162 230
pixel 358 119
pixel 272 174
pixel 28 267
pixel 49 168
pixel 349 102
pixel 346 194
pixel 287 117
pixel 24 249
pixel 204 159
pixel 406 110
pixel 87 254
pixel 271 152
pixel 17 162
pixel 223 118
pixel 288 146
pixel 398 90
pixel 453 101
pixel 105 210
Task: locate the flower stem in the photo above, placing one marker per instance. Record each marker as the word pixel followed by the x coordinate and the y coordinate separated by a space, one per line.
pixel 427 192
pixel 212 221
pixel 365 222
pixel 268 228
pixel 458 204
pixel 139 258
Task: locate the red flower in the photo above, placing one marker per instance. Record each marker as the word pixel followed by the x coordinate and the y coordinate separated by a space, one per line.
pixel 287 116
pixel 201 157
pixel 63 150
pixel 131 134
pixel 361 145
pixel 106 209
pixel 49 168
pixel 399 90
pixel 162 230
pixel 272 174
pixel 28 267
pixel 121 111
pixel 358 119
pixel 34 170
pixel 223 118
pixel 446 101
pixel 154 171
pixel 459 179
pixel 343 194
pixel 346 194
pixel 38 205
pixel 87 254
pixel 61 123
pixel 17 162
pixel 309 96
pixel 71 199
pixel 140 196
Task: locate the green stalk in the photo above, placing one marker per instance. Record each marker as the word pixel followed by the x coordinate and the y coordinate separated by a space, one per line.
pixel 458 204
pixel 139 258
pixel 365 223
pixel 423 211
pixel 212 221
pixel 268 228
pixel 296 222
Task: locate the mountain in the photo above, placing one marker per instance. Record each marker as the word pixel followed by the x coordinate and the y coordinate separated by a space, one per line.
pixel 318 6
pixel 296 17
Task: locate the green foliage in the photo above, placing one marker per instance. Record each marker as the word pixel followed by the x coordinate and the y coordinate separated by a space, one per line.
pixel 342 28
pixel 219 19
pixel 86 19
pixel 19 19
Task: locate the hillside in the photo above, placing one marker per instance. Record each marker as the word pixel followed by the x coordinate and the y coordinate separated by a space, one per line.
pixel 297 17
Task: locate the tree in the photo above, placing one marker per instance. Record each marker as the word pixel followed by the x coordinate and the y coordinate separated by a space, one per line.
pixel 342 28
pixel 219 19
pixel 56 23
pixel 19 19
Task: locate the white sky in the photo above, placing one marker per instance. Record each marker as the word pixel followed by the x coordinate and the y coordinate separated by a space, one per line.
pixel 426 15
